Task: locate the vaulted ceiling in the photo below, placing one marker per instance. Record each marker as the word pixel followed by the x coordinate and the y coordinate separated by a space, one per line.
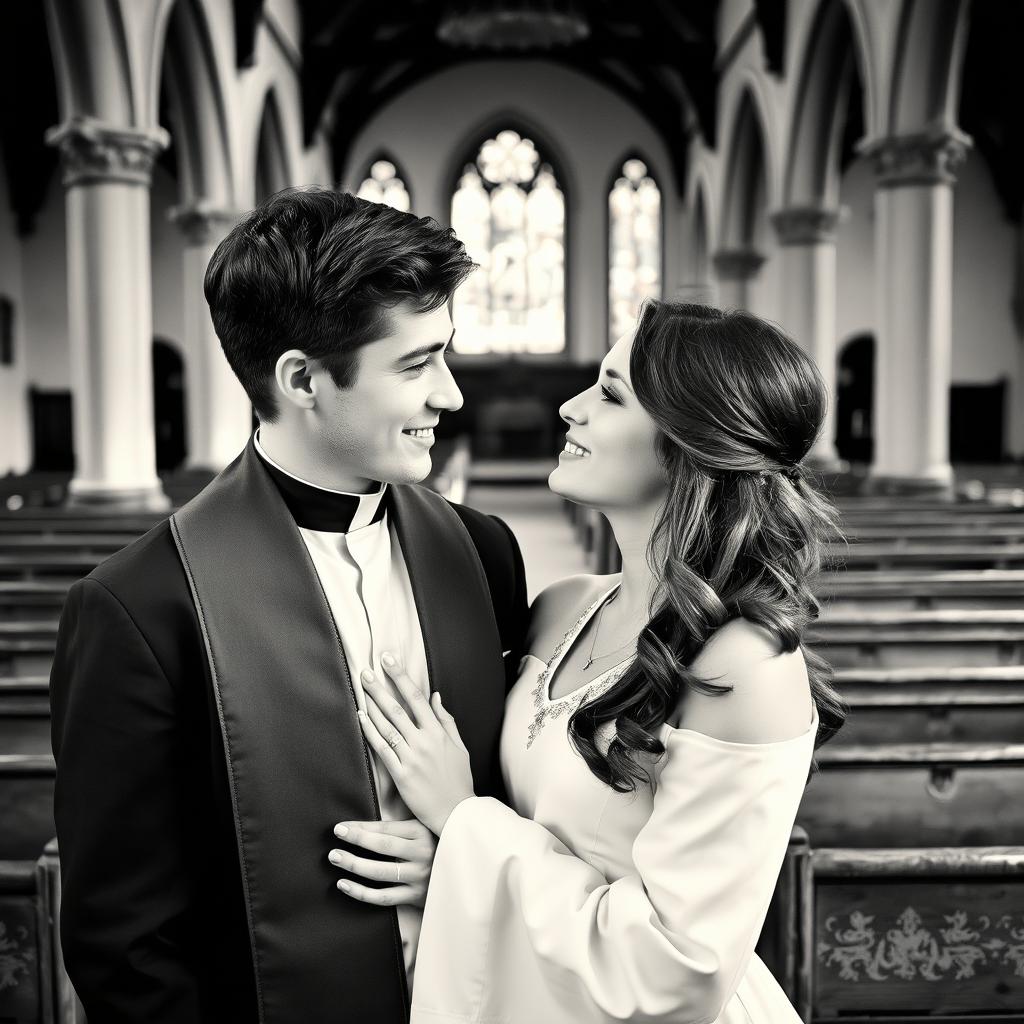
pixel 658 55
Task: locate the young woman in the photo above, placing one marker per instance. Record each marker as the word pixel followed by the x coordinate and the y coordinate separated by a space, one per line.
pixel 658 740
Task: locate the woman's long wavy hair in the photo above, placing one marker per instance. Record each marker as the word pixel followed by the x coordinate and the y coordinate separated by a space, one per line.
pixel 738 406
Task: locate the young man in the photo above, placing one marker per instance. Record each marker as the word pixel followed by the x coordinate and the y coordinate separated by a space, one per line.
pixel 206 683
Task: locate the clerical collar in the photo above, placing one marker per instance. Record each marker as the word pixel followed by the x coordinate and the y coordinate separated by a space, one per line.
pixel 320 508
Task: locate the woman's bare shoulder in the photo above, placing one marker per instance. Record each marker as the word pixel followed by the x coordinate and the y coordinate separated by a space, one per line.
pixel 770 697
pixel 557 607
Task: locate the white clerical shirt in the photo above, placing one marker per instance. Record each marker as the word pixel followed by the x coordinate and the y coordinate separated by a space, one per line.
pixel 367 584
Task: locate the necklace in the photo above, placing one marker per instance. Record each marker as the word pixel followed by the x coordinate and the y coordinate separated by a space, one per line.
pixel 544 709
pixel 593 643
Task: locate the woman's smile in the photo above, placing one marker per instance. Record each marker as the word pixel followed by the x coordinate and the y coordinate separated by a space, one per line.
pixel 574 450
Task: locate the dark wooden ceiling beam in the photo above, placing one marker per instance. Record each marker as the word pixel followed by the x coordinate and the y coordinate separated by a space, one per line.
pixel 651 38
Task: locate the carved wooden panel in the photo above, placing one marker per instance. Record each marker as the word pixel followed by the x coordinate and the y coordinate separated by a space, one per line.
pixel 20 990
pixel 940 946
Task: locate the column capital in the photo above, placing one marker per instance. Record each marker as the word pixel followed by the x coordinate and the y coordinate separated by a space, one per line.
pixel 805 225
pixel 204 221
pixel 737 264
pixel 919 158
pixel 93 151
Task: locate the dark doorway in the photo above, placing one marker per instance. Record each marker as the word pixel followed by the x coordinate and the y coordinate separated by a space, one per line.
pixel 168 405
pixel 855 383
pixel 976 419
pixel 52 437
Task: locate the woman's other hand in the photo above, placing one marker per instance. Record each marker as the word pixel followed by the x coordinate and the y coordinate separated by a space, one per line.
pixel 412 845
pixel 421 749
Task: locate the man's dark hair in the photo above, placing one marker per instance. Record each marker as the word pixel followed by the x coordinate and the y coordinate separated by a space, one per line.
pixel 318 270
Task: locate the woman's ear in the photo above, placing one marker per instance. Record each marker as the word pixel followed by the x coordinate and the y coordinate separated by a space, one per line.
pixel 294 377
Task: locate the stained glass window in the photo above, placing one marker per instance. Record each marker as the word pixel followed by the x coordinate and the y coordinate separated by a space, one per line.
pixel 383 185
pixel 509 212
pixel 634 245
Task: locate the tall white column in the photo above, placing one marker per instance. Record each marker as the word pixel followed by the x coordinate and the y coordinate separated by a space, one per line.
pixel 734 270
pixel 808 253
pixel 107 173
pixel 914 284
pixel 219 414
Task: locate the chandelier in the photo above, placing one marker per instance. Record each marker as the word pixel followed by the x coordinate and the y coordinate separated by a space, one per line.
pixel 513 24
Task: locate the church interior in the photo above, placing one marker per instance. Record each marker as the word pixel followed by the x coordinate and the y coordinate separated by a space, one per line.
pixel 852 170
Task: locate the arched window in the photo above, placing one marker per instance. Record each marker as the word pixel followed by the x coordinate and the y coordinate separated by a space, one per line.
pixel 383 184
pixel 634 245
pixel 509 211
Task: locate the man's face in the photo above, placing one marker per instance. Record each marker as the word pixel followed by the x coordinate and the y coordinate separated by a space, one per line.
pixel 381 428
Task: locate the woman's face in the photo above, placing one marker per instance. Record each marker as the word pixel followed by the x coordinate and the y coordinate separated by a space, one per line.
pixel 609 460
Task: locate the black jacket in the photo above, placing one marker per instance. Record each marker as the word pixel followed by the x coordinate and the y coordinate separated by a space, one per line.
pixel 157 924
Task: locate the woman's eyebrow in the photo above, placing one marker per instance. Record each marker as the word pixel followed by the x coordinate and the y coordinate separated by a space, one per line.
pixel 615 375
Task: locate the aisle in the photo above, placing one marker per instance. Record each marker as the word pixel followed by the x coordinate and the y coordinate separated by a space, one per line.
pixel 534 514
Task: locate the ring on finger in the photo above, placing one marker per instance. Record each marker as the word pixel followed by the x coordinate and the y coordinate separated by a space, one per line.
pixel 398 874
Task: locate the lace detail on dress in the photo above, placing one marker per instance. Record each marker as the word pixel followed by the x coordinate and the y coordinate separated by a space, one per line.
pixel 546 710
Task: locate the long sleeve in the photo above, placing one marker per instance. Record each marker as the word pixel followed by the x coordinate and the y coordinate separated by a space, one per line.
pixel 119 813
pixel 518 928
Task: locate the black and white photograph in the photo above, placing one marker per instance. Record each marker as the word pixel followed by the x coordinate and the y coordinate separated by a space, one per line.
pixel 511 512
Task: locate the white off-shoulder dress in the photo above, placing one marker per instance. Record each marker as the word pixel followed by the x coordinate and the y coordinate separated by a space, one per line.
pixel 580 905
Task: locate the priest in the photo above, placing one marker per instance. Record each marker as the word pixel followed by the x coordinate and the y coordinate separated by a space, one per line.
pixel 205 687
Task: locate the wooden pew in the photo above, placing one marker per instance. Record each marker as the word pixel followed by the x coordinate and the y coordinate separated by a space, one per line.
pixel 34 987
pixel 68 566
pixel 899 639
pixel 28 545
pixel 25 715
pixel 914 794
pixel 925 555
pixel 22 601
pixel 909 505
pixel 917 705
pixel 898 936
pixel 56 522
pixel 27 647
pixel 26 804
pixel 898 515
pixel 939 535
pixel 908 589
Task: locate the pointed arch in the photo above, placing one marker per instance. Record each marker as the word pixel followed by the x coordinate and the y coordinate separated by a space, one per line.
pixel 634 239
pixel 270 166
pixel 748 174
pixel 85 84
pixel 198 105
pixel 832 64
pixel 526 126
pixel 927 64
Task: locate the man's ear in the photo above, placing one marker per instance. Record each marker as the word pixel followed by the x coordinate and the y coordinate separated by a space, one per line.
pixel 293 375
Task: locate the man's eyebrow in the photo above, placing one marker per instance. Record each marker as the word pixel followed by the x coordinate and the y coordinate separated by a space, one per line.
pixel 425 350
pixel 615 375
